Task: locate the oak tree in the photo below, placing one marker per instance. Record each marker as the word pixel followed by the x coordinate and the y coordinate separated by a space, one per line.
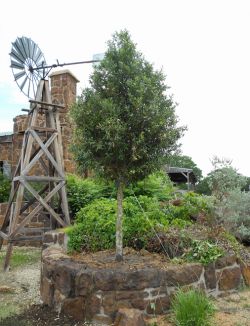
pixel 125 121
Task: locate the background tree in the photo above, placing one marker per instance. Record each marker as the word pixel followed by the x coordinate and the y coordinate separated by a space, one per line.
pixel 184 161
pixel 231 202
pixel 125 122
pixel 224 178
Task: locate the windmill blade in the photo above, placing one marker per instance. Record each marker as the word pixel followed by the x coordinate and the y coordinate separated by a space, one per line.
pixel 17 56
pixel 29 88
pixel 23 83
pixel 19 75
pixel 29 46
pixel 26 57
pixel 38 55
pixel 16 65
pixel 19 48
pixel 23 42
pixel 32 47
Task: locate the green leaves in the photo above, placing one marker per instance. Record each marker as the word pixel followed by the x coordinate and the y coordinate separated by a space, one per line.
pixel 5 185
pixel 203 251
pixel 125 123
pixel 95 224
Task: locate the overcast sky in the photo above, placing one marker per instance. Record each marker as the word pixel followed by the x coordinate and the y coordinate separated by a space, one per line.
pixel 203 47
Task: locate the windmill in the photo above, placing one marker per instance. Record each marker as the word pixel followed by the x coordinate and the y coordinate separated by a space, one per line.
pixel 38 184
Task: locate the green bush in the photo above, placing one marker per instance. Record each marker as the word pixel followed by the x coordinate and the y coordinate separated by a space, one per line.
pixel 95 227
pixel 189 207
pixel 156 185
pixel 95 224
pixel 203 251
pixel 234 212
pixel 191 308
pixel 5 186
pixel 147 208
pixel 81 192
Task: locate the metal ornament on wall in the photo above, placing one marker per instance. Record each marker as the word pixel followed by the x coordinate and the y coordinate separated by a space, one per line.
pixel 28 65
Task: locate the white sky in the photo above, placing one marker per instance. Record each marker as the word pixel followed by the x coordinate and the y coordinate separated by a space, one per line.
pixel 203 47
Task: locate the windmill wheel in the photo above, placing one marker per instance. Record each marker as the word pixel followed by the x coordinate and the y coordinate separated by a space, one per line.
pixel 27 62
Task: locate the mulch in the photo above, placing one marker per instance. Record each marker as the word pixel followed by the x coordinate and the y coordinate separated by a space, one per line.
pixel 40 315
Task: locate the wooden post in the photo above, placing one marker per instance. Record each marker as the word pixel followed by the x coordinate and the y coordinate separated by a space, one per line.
pixel 41 145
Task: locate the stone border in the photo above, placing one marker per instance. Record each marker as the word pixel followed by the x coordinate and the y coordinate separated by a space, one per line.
pixel 96 295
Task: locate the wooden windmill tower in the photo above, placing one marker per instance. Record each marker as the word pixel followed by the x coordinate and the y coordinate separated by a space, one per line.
pixel 38 185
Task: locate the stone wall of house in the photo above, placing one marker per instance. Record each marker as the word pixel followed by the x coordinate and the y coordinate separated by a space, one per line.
pixel 87 292
pixel 6 152
pixel 63 91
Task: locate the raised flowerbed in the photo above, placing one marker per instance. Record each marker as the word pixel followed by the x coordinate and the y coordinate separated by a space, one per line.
pixel 94 286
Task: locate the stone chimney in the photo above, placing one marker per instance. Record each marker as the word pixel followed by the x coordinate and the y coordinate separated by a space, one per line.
pixel 63 87
pixel 63 91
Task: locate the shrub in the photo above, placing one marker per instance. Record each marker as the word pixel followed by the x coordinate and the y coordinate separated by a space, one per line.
pixel 234 211
pixel 83 191
pixel 203 251
pixel 156 185
pixel 5 186
pixel 189 206
pixel 141 217
pixel 95 227
pixel 191 308
pixel 95 224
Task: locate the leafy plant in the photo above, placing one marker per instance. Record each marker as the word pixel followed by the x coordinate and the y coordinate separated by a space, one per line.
pixel 81 191
pixel 233 211
pixel 191 308
pixel 5 185
pixel 203 251
pixel 187 207
pixel 156 185
pixel 95 223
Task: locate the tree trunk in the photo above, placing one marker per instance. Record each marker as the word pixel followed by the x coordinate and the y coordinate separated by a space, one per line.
pixel 119 242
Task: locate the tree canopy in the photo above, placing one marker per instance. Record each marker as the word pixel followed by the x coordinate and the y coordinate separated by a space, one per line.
pixel 125 122
pixel 222 179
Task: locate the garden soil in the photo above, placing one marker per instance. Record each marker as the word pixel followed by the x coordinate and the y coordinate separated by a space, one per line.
pixel 19 297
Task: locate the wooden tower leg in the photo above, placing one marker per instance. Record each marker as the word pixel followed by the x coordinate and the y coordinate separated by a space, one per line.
pixel 6 265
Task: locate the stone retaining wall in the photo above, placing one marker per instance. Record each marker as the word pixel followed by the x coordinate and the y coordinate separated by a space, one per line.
pixel 91 293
